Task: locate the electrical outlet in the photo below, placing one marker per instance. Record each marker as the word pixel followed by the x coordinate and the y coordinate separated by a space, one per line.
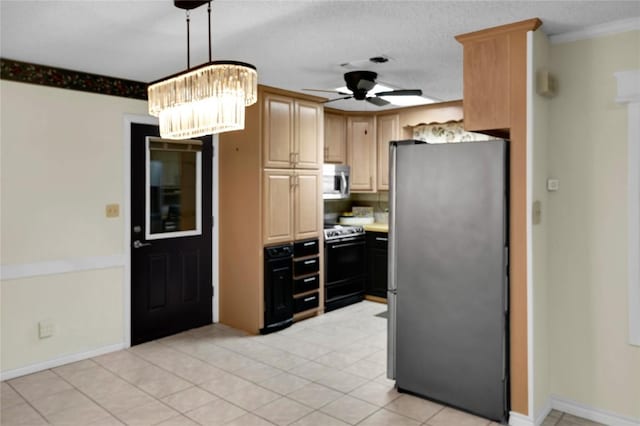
pixel 112 210
pixel 46 329
pixel 553 185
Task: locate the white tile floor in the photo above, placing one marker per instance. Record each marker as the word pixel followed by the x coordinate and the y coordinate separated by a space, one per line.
pixel 325 371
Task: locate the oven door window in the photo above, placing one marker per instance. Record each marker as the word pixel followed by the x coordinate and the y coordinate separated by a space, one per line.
pixel 345 260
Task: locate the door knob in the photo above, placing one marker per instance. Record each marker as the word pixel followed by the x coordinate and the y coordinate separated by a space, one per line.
pixel 138 244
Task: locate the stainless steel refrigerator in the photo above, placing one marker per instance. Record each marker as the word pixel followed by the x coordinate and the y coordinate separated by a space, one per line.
pixel 448 273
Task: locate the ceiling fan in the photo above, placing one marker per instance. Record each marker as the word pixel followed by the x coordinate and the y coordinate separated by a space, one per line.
pixel 360 83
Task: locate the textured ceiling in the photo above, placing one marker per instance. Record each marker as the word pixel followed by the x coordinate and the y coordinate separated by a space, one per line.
pixel 294 44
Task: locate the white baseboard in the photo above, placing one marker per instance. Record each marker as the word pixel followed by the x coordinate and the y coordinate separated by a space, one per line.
pixel 517 419
pixel 543 413
pixel 590 413
pixel 57 362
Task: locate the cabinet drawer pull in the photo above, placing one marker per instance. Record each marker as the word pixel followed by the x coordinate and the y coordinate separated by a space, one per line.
pixel 309 299
pixel 310 243
pixel 382 239
pixel 308 280
pixel 310 262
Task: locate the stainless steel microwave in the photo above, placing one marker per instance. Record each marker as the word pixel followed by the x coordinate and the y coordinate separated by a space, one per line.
pixel 336 183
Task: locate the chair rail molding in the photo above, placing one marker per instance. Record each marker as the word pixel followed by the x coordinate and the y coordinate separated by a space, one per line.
pixel 629 94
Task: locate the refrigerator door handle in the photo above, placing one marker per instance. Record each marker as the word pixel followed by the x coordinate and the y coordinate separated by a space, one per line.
pixel 506 280
pixel 391 335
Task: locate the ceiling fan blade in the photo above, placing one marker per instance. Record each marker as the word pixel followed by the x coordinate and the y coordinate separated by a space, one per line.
pixel 401 92
pixel 328 91
pixel 338 99
pixel 377 101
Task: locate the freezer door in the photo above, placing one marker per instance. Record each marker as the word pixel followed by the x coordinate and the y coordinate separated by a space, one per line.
pixel 450 232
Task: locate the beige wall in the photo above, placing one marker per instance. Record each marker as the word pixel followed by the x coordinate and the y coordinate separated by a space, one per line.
pixel 591 362
pixel 61 163
pixel 539 144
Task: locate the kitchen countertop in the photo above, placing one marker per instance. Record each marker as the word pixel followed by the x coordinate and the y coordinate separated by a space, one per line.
pixel 376 227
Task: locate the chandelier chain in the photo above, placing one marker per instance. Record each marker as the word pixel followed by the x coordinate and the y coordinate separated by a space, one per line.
pixel 188 13
pixel 209 14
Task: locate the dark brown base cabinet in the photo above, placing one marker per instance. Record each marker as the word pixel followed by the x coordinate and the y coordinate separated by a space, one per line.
pixel 377 264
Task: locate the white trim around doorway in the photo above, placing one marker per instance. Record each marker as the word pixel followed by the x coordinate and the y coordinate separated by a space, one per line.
pixel 628 83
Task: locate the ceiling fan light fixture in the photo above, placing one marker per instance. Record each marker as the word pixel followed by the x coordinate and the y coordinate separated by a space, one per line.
pixel 412 100
pixel 377 88
pixel 207 99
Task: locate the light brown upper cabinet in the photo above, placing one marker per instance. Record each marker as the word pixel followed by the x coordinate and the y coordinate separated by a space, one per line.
pixel 291 204
pixel 361 153
pixel 492 62
pixel 293 133
pixel 387 130
pixel 335 138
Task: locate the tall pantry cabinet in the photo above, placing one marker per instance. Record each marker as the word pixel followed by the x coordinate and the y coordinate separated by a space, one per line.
pixel 270 180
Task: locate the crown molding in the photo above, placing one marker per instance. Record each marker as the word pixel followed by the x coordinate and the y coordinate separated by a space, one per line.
pixel 609 28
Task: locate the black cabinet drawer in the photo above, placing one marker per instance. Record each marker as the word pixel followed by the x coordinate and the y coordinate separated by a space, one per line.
pixel 306 248
pixel 377 240
pixel 301 285
pixel 306 266
pixel 344 289
pixel 306 302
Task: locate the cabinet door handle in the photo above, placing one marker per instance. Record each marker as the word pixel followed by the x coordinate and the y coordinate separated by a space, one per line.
pixel 309 299
pixel 310 262
pixel 382 239
pixel 309 243
pixel 308 280
pixel 343 187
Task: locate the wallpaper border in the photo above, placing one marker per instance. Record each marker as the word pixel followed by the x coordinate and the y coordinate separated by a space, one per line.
pixel 25 72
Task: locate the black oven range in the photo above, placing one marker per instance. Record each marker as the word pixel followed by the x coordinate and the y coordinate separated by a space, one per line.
pixel 345 265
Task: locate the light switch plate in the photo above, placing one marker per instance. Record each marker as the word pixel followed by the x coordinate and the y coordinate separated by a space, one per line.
pixel 112 210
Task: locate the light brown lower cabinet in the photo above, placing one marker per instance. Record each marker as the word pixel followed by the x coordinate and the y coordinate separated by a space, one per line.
pixel 291 205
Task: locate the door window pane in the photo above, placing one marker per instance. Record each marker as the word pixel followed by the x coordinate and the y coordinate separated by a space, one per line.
pixel 173 188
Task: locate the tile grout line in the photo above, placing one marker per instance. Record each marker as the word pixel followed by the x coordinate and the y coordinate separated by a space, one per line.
pixel 26 401
pixel 89 396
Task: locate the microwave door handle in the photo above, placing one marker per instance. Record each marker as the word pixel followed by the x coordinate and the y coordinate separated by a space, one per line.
pixel 343 188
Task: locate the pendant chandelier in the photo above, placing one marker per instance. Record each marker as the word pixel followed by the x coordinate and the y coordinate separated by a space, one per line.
pixel 210 98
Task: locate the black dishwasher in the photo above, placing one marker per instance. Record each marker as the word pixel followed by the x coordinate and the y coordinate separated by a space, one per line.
pixel 278 288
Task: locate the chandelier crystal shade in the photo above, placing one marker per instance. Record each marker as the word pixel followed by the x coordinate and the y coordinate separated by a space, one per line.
pixel 207 99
